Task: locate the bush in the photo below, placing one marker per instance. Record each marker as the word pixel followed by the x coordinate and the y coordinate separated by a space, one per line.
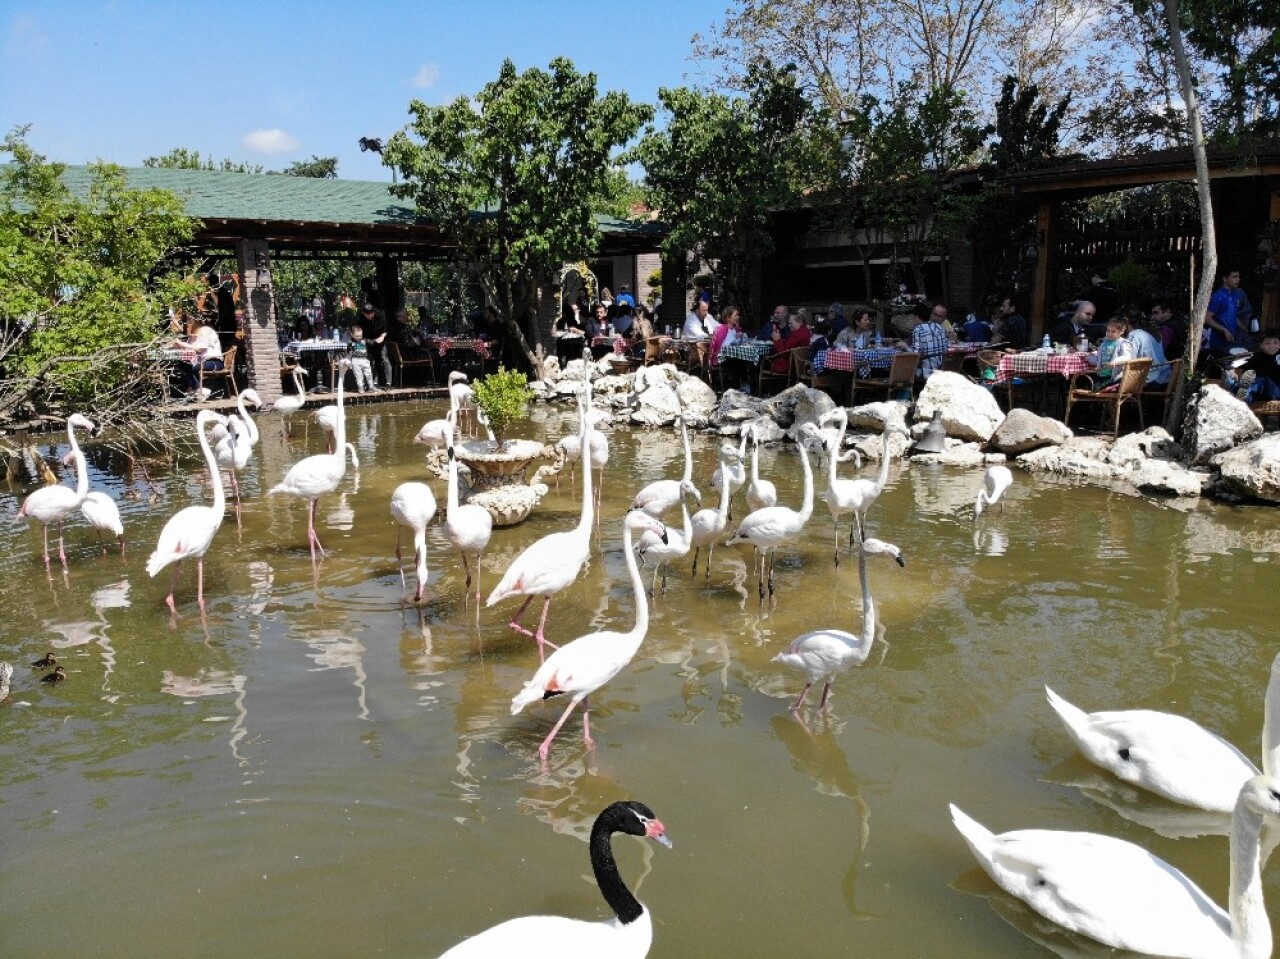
pixel 502 397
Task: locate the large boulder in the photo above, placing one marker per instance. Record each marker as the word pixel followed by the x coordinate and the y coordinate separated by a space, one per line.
pixel 876 416
pixel 698 399
pixel 1254 468
pixel 1023 431
pixel 1133 449
pixel 1081 458
pixel 809 408
pixel 969 412
pixel 1216 421
pixel 1167 478
pixel 658 405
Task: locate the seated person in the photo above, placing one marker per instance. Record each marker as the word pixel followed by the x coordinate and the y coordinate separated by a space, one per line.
pixel 727 333
pixel 1143 343
pixel 798 334
pixel 776 322
pixel 929 338
pixel 1260 377
pixel 699 324
pixel 1011 325
pixel 977 330
pixel 204 341
pixel 1112 350
pixel 861 335
pixel 821 338
pixel 625 320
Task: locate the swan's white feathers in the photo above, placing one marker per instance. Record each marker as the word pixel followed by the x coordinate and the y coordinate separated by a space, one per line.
pixel 557 937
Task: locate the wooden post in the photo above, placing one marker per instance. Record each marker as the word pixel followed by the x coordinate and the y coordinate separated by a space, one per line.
pixel 260 343
pixel 1045 239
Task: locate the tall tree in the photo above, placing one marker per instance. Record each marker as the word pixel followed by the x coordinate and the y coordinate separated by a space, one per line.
pixel 80 277
pixel 320 168
pixel 719 164
pixel 510 177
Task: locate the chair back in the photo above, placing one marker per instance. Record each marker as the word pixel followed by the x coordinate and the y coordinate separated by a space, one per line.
pixel 652 349
pixel 393 350
pixel 902 369
pixel 1175 370
pixel 229 357
pixel 1134 376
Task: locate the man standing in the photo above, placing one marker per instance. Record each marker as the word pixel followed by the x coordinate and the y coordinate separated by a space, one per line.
pixel 700 324
pixel 930 339
pixel 374 325
pixel 1225 317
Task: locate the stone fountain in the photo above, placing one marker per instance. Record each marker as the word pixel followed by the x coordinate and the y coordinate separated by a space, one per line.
pixel 497 475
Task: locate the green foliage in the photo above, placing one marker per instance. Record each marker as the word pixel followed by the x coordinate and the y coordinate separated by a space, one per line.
pixel 502 396
pixel 320 168
pixel 719 165
pixel 1133 282
pixel 510 176
pixel 180 158
pixel 79 275
pixel 1026 127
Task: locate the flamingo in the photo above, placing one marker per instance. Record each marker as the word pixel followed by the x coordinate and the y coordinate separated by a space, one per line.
pixel 571 447
pixel 292 402
pixel 854 496
pixel 708 524
pixel 1119 894
pixel 1171 755
pixel 627 936
pixel 413 505
pixel 995 481
pixel 760 493
pixel 577 669
pixel 662 495
pixel 552 563
pixel 53 504
pixel 767 529
pixel 314 476
pixel 467 526
pixel 98 509
pixel 670 546
pixel 826 653
pixel 190 531
pixel 737 471
pixel 462 399
pixel 233 444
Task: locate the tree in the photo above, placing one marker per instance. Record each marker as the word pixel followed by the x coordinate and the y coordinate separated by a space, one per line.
pixel 510 176
pixel 717 167
pixel 320 168
pixel 180 158
pixel 80 278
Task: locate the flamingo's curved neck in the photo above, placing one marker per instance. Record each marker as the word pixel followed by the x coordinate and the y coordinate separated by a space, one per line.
pixel 588 500
pixel 688 453
pixel 806 507
pixel 755 461
pixel 723 509
pixel 883 476
pixel 251 428
pixel 1271 722
pixel 297 382
pixel 637 634
pixel 340 428
pixel 451 503
pixel 215 474
pixel 82 472
pixel 868 604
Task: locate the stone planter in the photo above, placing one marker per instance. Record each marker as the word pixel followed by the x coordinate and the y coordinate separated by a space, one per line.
pixel 498 480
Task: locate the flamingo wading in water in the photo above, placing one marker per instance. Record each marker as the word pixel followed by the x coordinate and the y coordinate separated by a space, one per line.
pixel 190 531
pixel 579 668
pixel 413 505
pixel 468 526
pixel 995 481
pixel 709 524
pixel 53 504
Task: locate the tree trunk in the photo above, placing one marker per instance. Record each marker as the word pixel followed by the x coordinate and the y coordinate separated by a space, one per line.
pixel 1208 238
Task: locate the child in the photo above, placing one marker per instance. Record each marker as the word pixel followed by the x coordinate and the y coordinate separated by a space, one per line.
pixel 1114 349
pixel 1260 377
pixel 360 360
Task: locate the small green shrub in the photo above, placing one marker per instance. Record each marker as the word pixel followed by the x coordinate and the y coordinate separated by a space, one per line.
pixel 502 396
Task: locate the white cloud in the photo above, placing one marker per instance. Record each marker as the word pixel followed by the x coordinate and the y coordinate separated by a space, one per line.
pixel 274 140
pixel 426 76
pixel 26 36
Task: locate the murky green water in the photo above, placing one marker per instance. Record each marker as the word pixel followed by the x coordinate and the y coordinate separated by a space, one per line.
pixel 325 771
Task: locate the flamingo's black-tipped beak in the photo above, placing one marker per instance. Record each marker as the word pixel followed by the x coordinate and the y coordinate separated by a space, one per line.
pixel 902 560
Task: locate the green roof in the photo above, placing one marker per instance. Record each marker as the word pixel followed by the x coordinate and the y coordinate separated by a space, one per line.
pixel 221 195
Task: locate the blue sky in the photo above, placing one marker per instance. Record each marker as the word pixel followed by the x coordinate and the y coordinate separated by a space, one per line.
pixel 273 82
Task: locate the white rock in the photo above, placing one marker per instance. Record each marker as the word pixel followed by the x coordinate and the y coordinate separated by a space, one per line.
pixel 1216 421
pixel 1253 469
pixel 969 412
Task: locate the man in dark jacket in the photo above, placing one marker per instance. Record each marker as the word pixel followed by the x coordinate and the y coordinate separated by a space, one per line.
pixel 374 325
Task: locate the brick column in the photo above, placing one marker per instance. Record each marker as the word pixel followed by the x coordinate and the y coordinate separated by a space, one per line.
pixel 262 348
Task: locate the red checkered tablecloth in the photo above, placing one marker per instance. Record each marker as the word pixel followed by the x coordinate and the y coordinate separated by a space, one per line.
pixel 1035 363
pixel 446 343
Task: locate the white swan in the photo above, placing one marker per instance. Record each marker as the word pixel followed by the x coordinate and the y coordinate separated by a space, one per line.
pixel 1171 755
pixel 53 504
pixel 767 529
pixel 760 493
pixel 190 531
pixel 995 481
pixel 662 495
pixel 824 654
pixel 579 668
pixel 626 936
pixel 468 526
pixel 1121 895
pixel 708 524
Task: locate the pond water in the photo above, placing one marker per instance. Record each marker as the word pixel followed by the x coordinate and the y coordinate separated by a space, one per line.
pixel 322 769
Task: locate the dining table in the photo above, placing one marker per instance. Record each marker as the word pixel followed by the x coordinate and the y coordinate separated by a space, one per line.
pixel 1039 362
pixel 854 361
pixel 317 356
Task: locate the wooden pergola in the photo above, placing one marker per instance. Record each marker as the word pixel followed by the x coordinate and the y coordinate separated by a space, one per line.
pixel 1246 186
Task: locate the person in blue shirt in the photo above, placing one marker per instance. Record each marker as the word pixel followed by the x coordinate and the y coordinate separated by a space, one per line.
pixel 625 298
pixel 977 330
pixel 1225 318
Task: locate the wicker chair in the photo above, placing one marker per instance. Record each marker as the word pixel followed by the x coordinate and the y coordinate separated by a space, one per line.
pixel 901 375
pixel 835 383
pixel 769 379
pixel 1127 389
pixel 227 373
pixel 1163 393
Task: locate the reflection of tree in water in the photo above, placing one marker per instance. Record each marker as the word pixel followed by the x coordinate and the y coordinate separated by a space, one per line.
pixel 819 756
pixel 214 682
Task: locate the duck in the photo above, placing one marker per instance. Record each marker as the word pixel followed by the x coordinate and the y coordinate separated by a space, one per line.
pixel 628 935
pixel 1170 755
pixel 1121 895
pixel 57 676
pixel 45 661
